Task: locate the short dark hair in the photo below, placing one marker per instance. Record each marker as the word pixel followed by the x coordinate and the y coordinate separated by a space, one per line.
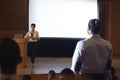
pixel 9 52
pixel 94 25
pixel 33 24
pixel 67 72
pixel 52 73
pixel 113 70
pixel 26 77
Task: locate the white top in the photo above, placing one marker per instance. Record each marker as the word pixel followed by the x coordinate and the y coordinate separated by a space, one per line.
pixel 32 36
pixel 94 53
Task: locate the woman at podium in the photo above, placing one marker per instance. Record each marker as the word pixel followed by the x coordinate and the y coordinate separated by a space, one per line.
pixel 32 36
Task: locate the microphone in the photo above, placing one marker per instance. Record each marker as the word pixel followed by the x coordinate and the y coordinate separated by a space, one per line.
pixel 31 34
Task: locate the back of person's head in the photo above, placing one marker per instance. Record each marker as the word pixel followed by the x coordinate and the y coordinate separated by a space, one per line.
pixel 114 77
pixel 67 74
pixel 94 25
pixel 9 53
pixel 26 77
pixel 51 75
pixel 112 70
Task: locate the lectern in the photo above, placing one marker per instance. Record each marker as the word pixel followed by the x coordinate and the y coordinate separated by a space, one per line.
pixel 23 50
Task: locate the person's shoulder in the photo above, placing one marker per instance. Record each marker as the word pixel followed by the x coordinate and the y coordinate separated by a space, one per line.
pixel 87 41
pixel 107 43
pixel 81 41
pixel 36 31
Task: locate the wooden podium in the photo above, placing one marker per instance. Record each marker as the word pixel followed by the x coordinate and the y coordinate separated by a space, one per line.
pixel 23 51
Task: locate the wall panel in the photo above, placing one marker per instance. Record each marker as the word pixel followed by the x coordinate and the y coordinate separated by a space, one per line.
pixel 13 17
pixel 114 26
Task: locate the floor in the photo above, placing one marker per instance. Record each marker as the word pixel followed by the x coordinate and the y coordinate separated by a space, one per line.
pixel 44 64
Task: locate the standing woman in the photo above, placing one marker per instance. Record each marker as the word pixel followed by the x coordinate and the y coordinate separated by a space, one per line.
pixel 32 36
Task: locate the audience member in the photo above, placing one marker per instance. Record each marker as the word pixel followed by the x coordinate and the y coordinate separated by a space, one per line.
pixel 9 59
pixel 114 77
pixel 67 74
pixel 93 56
pixel 51 75
pixel 26 77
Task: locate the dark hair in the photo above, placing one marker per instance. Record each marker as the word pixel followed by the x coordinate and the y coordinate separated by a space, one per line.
pixel 26 77
pixel 9 52
pixel 67 72
pixel 113 70
pixel 33 24
pixel 94 26
pixel 52 73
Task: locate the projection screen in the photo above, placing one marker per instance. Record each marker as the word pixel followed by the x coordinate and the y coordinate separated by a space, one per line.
pixel 62 18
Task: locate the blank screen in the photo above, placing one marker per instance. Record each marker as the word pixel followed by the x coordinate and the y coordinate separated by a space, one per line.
pixel 62 18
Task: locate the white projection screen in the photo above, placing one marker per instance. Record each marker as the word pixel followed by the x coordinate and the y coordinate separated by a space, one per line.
pixel 62 18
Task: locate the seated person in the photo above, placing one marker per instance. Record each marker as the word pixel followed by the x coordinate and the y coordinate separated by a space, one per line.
pixel 51 75
pixel 114 77
pixel 67 74
pixel 26 77
pixel 9 59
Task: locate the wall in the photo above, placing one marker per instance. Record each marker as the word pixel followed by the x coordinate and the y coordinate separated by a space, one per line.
pixel 109 13
pixel 114 26
pixel 13 17
pixel 14 20
pixel 103 16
